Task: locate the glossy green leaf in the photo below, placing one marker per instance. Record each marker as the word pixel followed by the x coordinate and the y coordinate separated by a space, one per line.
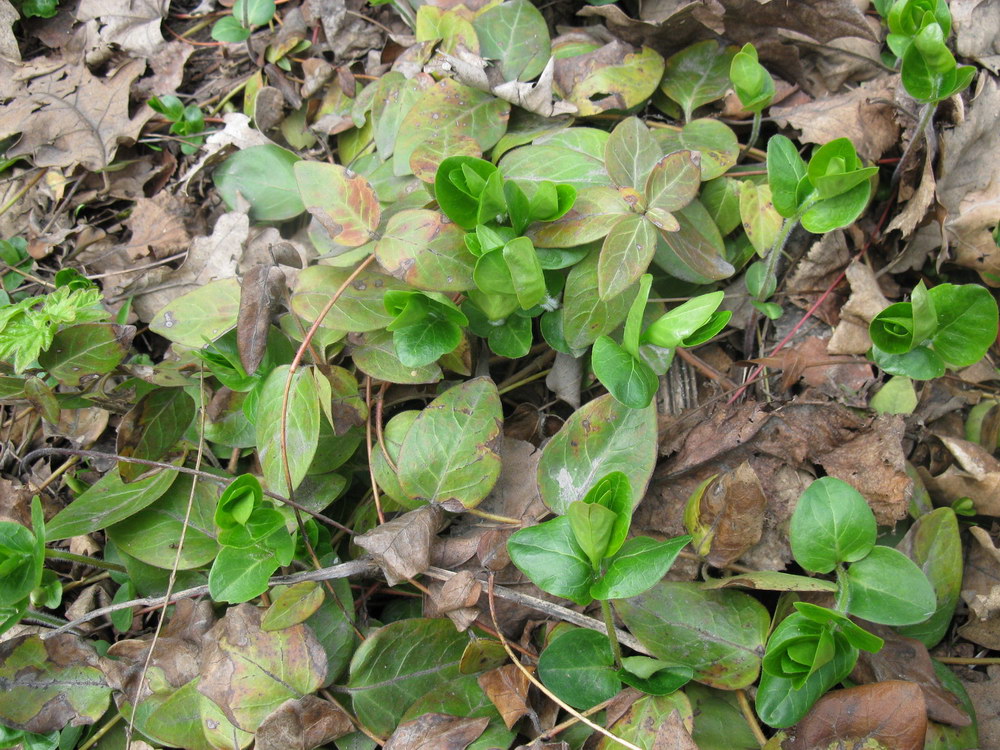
pixel 264 176
pixel 600 437
pixel 515 34
pixel 751 81
pixel 591 524
pixel 714 140
pixel 920 363
pixel 785 170
pixel 625 255
pixel 341 200
pixel 106 502
pixel 20 565
pixel 839 211
pixel 653 676
pixel 459 185
pixel 291 605
pixel 630 153
pixel 549 554
pixel 186 718
pixel 719 634
pixel 450 107
pixel 375 355
pixel 358 309
pixel 577 667
pixel 253 12
pixel 630 380
pixel 401 662
pixel 719 723
pixel 302 427
pixel 888 587
pixel 239 575
pixel 574 157
pixel 85 350
pixel 586 318
pixel 832 524
pixel 933 543
pixel 614 492
pixel 152 534
pixel 450 455
pixel 697 75
pixel 674 328
pixel 200 316
pixel 594 212
pixel 638 565
pixel 525 272
pixel 966 322
pixel 229 29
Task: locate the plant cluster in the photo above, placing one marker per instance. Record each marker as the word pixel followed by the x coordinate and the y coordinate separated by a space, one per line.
pixel 246 16
pixel 187 122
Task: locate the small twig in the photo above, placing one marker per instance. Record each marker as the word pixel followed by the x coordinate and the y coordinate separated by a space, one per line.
pixel 368 447
pixel 748 714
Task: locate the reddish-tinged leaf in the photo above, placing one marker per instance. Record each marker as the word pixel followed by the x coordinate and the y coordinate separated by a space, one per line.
pixel 426 250
pixel 625 255
pixel 342 201
pixel 593 213
pixel 890 713
pixel 674 181
pixel 305 722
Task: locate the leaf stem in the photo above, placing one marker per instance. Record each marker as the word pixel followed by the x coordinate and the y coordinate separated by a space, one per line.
pixel 58 554
pixel 843 592
pixel 926 115
pixel 754 134
pixel 751 719
pixel 779 245
pixel 609 623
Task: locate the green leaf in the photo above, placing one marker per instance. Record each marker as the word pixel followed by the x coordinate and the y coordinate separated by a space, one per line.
pixel 584 318
pixel 780 704
pixel 695 252
pixel 697 75
pixel 574 156
pixel 751 81
pixel 644 721
pixel 86 350
pixel 577 667
pixel 594 212
pixel 151 428
pixel 892 330
pixel 239 575
pixel 450 456
pixel 721 198
pixel 920 364
pixel 714 140
pixel 770 580
pixel 438 24
pixel 630 153
pixel 896 396
pixel 653 676
pixel 785 170
pixel 254 12
pixel 639 564
pixel 515 34
pixel 394 96
pixel 525 272
pixel 459 185
pixel 152 534
pixel 625 255
pixel 375 355
pixel 186 718
pixel 302 427
pixel 291 605
pixel 200 316
pixel 840 211
pixel 449 108
pixel 342 201
pixel 888 587
pixel 614 493
pixel 600 437
pixel 761 221
pixel 720 724
pixel 853 633
pixel 832 524
pixel 401 662
pixel 106 502
pixel 591 524
pixel 228 29
pixel 966 322
pixel 719 634
pixel 673 181
pixel 241 497
pixel 60 671
pixel 551 557
pixel 19 565
pixel 674 328
pixel 630 380
pixel 358 309
pixel 933 543
pixel 264 176
pixel 616 85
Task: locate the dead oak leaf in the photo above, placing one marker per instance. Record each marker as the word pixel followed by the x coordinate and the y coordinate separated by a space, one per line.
pixel 133 25
pixel 157 226
pixel 67 116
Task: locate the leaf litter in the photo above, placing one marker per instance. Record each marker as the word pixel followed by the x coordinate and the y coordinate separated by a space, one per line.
pixel 503 440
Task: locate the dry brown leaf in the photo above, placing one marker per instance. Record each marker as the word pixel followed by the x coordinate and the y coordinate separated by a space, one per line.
pixel 976 474
pixel 916 207
pixel 866 301
pixel 8 42
pixel 507 689
pixel 262 290
pixel 82 427
pixel 863 114
pixel 436 732
pixel 132 25
pixel 168 70
pixel 67 116
pixel 302 724
pixel 402 547
pixel 968 186
pixel 907 659
pixel 975 23
pixel 984 691
pixel 981 591
pixel 891 713
pixel 456 598
pixel 733 508
pixel 515 495
pixel 15 503
pixel 565 377
pixel 158 227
